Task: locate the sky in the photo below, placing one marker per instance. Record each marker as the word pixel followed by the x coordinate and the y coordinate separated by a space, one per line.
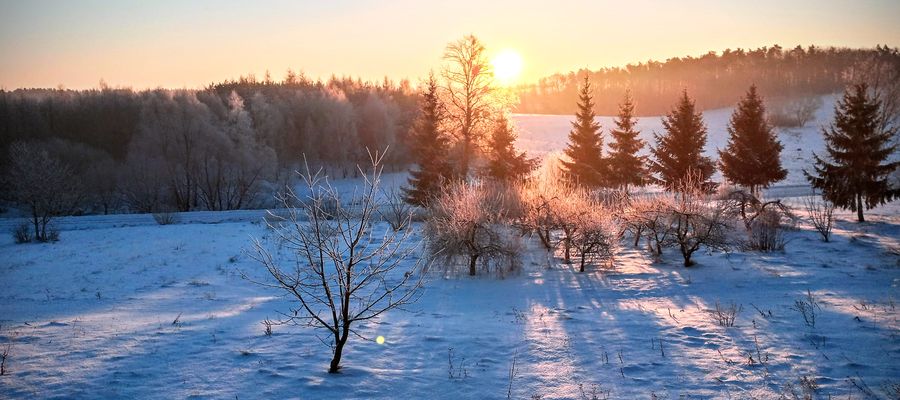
pixel 189 44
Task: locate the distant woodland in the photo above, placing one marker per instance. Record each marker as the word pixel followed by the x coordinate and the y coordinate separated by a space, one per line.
pixel 714 80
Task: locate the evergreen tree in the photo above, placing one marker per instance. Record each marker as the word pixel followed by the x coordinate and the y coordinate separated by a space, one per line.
pixel 503 162
pixel 752 157
pixel 857 174
pixel 429 148
pixel 626 167
pixel 679 153
pixel 585 150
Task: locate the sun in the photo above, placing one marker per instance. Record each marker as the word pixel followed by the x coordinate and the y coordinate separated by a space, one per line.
pixel 507 66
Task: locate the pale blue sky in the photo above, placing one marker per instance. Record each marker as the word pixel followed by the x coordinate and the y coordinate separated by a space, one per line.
pixel 191 43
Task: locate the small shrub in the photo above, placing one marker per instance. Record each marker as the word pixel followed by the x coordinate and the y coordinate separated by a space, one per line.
pixel 766 233
pixel 396 211
pixel 821 214
pixel 808 307
pixel 22 233
pixel 166 217
pixel 726 315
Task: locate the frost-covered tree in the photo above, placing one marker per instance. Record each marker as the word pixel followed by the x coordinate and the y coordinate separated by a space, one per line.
pixel 626 167
pixel 678 154
pixel 586 165
pixel 345 268
pixel 752 157
pixel 41 183
pixel 504 162
pixel 855 173
pixel 430 150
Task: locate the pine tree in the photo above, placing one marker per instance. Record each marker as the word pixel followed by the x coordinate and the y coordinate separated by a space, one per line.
pixel 503 162
pixel 678 154
pixel 857 174
pixel 586 164
pixel 626 167
pixel 752 157
pixel 429 147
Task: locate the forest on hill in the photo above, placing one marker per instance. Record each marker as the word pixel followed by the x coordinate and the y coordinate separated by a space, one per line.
pixel 714 79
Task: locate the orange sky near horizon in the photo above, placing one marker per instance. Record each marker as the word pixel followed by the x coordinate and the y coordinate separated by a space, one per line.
pixel 176 44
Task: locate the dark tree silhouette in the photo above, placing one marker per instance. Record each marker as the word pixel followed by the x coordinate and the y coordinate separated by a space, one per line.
pixel 586 165
pixel 626 167
pixel 752 157
pixel 430 148
pixel 504 163
pixel 855 175
pixel 679 152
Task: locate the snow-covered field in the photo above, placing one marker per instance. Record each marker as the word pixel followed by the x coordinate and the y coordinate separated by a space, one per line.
pixel 93 316
pixel 122 308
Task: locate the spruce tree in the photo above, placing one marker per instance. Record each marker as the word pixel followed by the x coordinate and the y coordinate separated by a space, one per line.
pixel 503 162
pixel 752 157
pixel 626 167
pixel 429 147
pixel 856 176
pixel 678 154
pixel 585 149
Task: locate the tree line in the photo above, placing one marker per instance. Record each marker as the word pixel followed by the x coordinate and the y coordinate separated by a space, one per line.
pixel 218 148
pixel 714 79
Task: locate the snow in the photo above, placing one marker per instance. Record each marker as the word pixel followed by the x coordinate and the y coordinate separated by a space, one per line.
pixel 92 316
pixel 540 135
pixel 123 308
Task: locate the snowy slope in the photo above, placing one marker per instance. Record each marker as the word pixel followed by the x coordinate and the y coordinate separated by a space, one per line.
pixel 93 317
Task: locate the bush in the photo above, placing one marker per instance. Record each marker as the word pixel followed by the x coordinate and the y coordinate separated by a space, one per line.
pixel 793 113
pixel 166 217
pixel 22 233
pixel 766 233
pixel 468 226
pixel 821 214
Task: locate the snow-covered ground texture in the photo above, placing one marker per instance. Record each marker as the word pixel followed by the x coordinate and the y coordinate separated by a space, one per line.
pixel 163 312
pixel 540 135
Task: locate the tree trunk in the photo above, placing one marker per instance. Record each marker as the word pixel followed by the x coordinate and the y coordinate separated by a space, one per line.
pixel 859 208
pixel 336 360
pixel 473 260
pixel 581 268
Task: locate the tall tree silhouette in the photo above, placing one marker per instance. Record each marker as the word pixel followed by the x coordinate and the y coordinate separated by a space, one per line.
pixel 752 157
pixel 585 149
pixel 626 167
pixel 855 176
pixel 678 153
pixel 504 163
pixel 468 90
pixel 430 148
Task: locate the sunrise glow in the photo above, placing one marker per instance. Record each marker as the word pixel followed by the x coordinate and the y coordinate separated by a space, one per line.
pixel 507 66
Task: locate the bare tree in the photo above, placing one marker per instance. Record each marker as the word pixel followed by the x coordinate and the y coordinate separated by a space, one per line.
pixel 468 222
pixel 697 221
pixel 346 270
pixel 821 214
pixel 468 94
pixel 43 184
pixel 794 113
pixel 596 235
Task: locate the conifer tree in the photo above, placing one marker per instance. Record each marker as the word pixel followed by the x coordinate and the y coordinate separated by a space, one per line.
pixel 429 147
pixel 626 167
pixel 678 154
pixel 855 176
pixel 586 164
pixel 503 162
pixel 752 157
